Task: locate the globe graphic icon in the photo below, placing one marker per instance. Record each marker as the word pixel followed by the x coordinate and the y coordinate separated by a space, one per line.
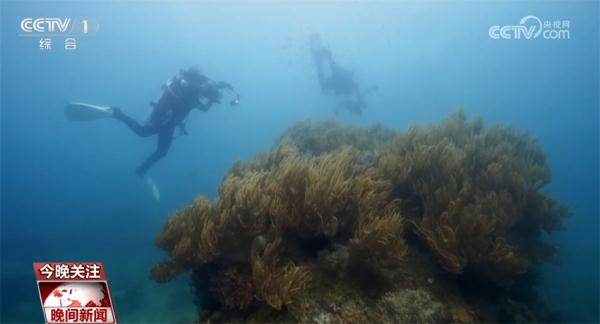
pixel 76 294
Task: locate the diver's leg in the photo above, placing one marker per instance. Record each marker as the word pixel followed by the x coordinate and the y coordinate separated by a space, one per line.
pixel 140 130
pixel 320 57
pixel 356 91
pixel 165 137
pixel 321 77
pixel 315 42
pixel 324 81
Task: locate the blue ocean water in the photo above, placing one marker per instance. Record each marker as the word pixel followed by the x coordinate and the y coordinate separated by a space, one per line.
pixel 69 192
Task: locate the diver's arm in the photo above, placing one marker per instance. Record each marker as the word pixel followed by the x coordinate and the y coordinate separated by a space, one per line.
pixel 214 94
pixel 224 85
pixel 369 90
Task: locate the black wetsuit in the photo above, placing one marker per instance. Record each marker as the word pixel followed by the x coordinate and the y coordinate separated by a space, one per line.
pixel 169 112
pixel 358 104
pixel 335 78
pixel 332 77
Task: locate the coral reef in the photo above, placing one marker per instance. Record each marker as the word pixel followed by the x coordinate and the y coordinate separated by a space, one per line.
pixel 275 284
pixel 339 224
pixel 321 137
pixel 409 306
pixel 478 195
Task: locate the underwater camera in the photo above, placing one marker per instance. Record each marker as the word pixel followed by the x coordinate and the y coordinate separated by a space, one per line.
pixel 236 101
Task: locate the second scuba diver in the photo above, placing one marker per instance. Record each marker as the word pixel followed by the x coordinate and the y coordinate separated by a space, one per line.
pixel 337 79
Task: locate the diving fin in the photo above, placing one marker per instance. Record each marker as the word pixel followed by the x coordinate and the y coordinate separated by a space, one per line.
pixel 153 188
pixel 79 111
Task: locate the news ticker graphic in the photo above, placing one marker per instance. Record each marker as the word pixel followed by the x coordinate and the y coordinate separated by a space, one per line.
pixel 74 292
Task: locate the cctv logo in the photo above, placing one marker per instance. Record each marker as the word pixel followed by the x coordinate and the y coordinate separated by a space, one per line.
pixel 45 25
pixel 518 31
pixel 531 27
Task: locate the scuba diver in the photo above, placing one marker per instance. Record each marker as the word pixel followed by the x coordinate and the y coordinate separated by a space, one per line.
pixel 181 94
pixel 332 77
pixel 358 104
pixel 337 79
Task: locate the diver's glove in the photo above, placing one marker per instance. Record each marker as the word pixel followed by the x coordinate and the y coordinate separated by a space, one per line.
pixel 224 85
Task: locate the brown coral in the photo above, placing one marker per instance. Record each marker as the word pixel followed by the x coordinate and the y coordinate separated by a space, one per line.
pixel 410 306
pixel 379 239
pixel 327 200
pixel 320 195
pixel 477 190
pixel 316 138
pixel 275 283
pixel 232 287
pixel 282 194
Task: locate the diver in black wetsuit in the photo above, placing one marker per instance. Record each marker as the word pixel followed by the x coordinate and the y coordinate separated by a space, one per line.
pixel 182 93
pixel 333 77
